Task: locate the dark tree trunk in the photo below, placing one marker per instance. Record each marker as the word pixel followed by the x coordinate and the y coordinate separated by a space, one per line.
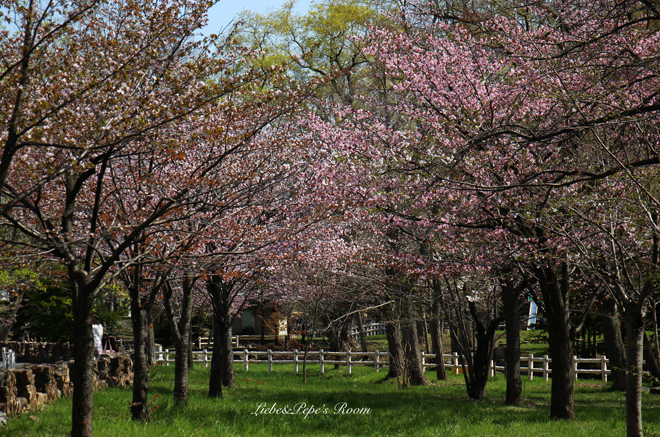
pixel 181 335
pixel 227 354
pixel 423 332
pixel 510 295
pixel 651 358
pixel 222 361
pixel 413 358
pixel 363 335
pixel 83 370
pixel 191 361
pixel 151 339
pixel 436 340
pixel 634 347
pixel 395 349
pixel 6 325
pixel 139 406
pixel 215 383
pixel 340 338
pixel 614 346
pixel 181 375
pixel 555 296
pixel 480 369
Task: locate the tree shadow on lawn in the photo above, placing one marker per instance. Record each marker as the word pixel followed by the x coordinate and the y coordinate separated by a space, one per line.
pixel 441 409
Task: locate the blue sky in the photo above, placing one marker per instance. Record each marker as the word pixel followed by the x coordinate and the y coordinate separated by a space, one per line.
pixel 226 10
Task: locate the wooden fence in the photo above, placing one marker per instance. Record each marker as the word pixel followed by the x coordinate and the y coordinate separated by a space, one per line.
pixel 375 328
pixel 535 366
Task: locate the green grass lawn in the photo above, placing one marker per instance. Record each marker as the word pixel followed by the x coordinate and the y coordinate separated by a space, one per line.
pixel 442 409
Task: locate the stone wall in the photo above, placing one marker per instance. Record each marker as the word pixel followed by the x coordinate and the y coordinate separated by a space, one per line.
pixel 29 388
pixel 39 352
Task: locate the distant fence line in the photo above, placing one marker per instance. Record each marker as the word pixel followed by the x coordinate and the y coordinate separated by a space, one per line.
pixel 379 359
pixel 375 328
pixel 370 329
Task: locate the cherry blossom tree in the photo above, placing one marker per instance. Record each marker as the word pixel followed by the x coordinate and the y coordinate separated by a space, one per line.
pixel 496 123
pixel 85 85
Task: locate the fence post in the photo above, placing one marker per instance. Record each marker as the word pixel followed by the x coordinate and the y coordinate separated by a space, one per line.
pixel 492 368
pixel 455 362
pixel 321 361
pixel 237 343
pixel 376 359
pixel 206 358
pixel 295 361
pixel 603 367
pixel 348 362
pixel 530 366
pixel 199 342
pixel 545 367
pixel 270 361
pixel 423 361
pixel 575 366
pixel 246 364
pixel 167 357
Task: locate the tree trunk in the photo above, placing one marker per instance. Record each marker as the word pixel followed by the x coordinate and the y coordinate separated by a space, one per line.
pixel 191 358
pixel 181 375
pixel 151 339
pixel 423 332
pixel 139 406
pixel 181 335
pixel 222 362
pixel 634 347
pixel 215 382
pixel 8 323
pixel 510 295
pixel 483 354
pixel 83 370
pixel 363 335
pixel 395 349
pixel 652 360
pixel 555 297
pixel 413 358
pixel 436 340
pixel 227 354
pixel 340 338
pixel 614 346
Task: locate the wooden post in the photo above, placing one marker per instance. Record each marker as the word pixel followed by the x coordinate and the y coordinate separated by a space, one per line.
pixel 199 342
pixel 295 361
pixel 348 362
pixel 455 362
pixel 530 366
pixel 167 357
pixel 321 361
pixel 603 368
pixel 246 363
pixel 545 367
pixel 492 368
pixel 575 366
pixel 270 361
pixel 237 344
pixel 423 361
pixel 376 359
pixel 206 358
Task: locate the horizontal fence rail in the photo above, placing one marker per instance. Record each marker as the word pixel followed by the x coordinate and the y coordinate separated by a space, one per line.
pixel 535 366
